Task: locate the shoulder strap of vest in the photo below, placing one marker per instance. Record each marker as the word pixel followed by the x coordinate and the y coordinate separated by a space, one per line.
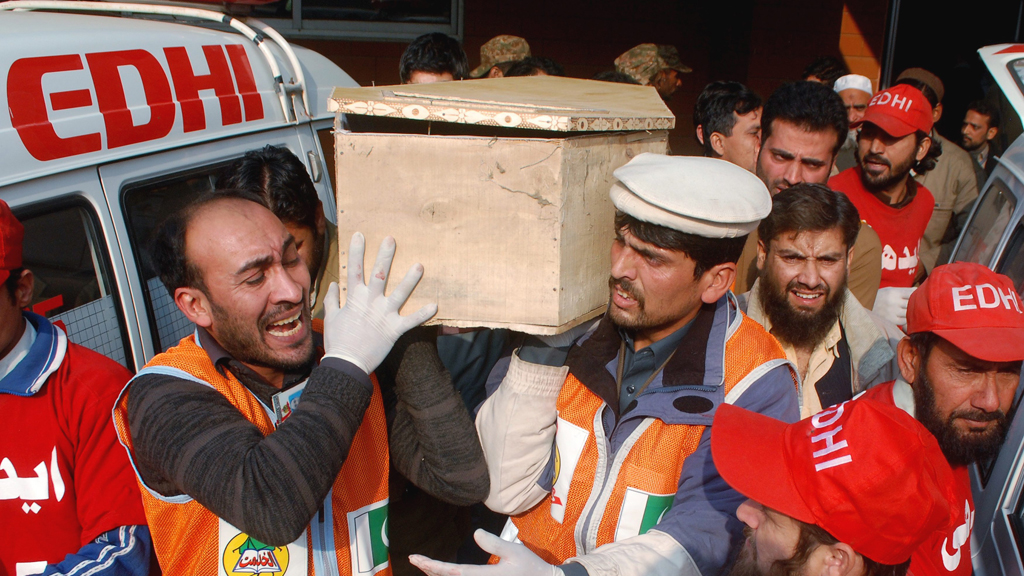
pixel 120 415
pixel 754 375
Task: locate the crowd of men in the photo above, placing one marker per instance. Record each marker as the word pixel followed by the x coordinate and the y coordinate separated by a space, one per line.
pixel 788 377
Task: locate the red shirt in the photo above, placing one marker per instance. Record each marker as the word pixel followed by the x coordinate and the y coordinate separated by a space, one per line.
pixel 64 478
pixel 899 229
pixel 948 552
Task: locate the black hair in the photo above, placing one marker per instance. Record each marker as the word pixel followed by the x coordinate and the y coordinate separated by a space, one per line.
pixel 986 109
pixel 809 105
pixel 168 248
pixel 615 76
pixel 925 89
pixel 828 69
pixel 706 253
pixel 11 284
pixel 436 53
pixel 279 179
pixel 931 159
pixel 527 66
pixel 810 207
pixel 716 106
pixel 923 342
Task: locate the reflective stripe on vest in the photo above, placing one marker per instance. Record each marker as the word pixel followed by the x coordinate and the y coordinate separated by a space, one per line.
pixel 629 495
pixel 186 536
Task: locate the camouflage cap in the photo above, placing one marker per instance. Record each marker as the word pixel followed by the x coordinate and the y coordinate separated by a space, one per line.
pixel 642 62
pixel 670 54
pixel 504 48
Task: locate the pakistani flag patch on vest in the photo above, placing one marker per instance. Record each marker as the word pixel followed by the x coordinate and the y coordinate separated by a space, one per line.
pixel 368 538
pixel 640 512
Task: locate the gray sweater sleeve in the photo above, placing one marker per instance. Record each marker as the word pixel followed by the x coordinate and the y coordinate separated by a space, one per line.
pixel 188 439
pixel 432 437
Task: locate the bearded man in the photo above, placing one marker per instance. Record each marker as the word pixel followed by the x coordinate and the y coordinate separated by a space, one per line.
pixel 894 139
pixel 803 257
pixel 959 370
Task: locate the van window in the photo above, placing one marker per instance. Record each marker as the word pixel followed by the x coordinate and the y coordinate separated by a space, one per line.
pixel 1013 260
pixel 73 282
pixel 982 235
pixel 146 205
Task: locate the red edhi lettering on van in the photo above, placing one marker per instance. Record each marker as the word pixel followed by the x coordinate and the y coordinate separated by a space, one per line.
pixel 27 101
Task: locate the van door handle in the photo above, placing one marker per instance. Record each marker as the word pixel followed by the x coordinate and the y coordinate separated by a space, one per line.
pixel 314 165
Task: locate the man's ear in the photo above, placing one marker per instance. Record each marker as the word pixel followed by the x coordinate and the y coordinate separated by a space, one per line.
pixel 908 359
pixel 321 220
pixel 700 133
pixel 991 133
pixel 717 281
pixel 840 559
pixel 24 290
pixel 923 148
pixel 762 254
pixel 194 305
pixel 849 260
pixel 937 113
pixel 718 143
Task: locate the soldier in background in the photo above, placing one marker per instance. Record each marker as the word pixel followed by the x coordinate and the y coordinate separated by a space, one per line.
pixel 498 54
pixel 654 65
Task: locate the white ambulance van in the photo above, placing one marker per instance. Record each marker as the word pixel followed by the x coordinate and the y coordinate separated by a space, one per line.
pixel 118 115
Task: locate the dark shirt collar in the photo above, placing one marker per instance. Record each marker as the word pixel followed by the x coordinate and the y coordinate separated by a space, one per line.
pixel 259 386
pixel 662 349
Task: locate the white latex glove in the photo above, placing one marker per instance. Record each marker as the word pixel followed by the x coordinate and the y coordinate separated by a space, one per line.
pixel 364 331
pixel 515 560
pixel 891 304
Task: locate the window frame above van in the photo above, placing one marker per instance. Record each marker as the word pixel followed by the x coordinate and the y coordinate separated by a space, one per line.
pixel 384 31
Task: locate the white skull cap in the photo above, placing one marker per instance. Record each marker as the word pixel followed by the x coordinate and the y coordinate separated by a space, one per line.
pixel 855 82
pixel 703 196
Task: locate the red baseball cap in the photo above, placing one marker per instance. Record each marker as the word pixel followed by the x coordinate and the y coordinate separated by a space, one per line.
pixel 864 471
pixel 11 235
pixel 899 111
pixel 975 309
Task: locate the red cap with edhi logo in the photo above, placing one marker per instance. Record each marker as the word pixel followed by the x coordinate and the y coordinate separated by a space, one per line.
pixel 11 235
pixel 899 111
pixel 866 472
pixel 975 309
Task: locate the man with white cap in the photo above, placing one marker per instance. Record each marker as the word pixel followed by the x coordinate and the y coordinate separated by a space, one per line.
pixel 602 455
pixel 854 490
pixel 960 368
pixel 856 92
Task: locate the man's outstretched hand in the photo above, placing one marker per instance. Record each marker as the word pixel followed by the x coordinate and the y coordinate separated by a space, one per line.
pixel 516 560
pixel 366 328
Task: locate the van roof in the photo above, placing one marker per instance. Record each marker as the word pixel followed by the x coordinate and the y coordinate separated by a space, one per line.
pixel 89 89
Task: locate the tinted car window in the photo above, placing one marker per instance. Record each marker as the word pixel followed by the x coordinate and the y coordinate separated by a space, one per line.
pixel 1013 260
pixel 74 288
pixel 145 207
pixel 982 235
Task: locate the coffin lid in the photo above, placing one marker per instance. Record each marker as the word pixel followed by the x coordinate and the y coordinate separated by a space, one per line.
pixel 529 102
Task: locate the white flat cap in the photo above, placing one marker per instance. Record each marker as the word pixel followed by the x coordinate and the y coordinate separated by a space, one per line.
pixel 703 196
pixel 853 81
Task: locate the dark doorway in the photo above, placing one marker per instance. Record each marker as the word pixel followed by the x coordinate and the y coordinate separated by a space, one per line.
pixel 945 40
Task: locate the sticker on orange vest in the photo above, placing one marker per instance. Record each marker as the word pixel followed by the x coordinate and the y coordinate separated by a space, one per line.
pixel 368 538
pixel 242 554
pixel 640 512
pixel 569 442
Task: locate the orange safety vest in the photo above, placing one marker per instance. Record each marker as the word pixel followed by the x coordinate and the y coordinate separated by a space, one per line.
pixel 189 539
pixel 642 477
